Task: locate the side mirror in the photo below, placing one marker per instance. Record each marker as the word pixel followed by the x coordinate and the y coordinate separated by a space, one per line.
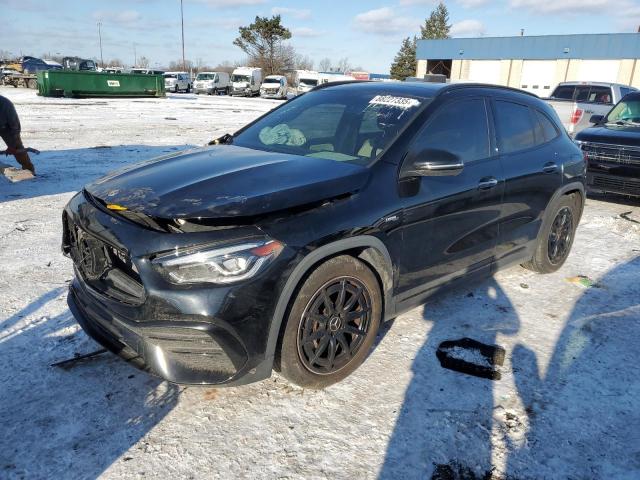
pixel 432 163
pixel 596 119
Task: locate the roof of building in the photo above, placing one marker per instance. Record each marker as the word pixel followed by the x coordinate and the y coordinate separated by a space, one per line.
pixel 548 47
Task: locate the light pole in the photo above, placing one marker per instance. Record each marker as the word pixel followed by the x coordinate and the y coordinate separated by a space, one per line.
pixel 184 64
pixel 100 37
pixel 135 57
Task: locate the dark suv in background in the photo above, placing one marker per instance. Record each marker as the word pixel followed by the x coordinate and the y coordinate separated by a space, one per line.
pixel 612 148
pixel 287 244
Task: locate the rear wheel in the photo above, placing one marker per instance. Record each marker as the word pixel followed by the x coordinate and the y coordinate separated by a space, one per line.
pixel 556 236
pixel 332 323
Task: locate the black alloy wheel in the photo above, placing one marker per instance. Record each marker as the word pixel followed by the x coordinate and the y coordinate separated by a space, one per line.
pixel 334 325
pixel 560 236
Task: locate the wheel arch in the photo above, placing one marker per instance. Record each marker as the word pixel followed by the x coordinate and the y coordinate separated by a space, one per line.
pixel 366 248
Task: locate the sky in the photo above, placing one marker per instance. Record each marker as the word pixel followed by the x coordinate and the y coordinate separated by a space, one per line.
pixel 368 33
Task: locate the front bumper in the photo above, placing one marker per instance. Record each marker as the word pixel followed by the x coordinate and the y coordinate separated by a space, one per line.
pixel 184 334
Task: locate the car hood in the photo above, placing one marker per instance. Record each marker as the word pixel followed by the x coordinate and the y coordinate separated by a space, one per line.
pixel 226 181
pixel 613 134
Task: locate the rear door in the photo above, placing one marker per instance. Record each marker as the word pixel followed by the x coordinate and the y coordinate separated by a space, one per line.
pixel 529 149
pixel 450 225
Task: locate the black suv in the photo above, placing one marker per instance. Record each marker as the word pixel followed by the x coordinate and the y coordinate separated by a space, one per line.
pixel 287 244
pixel 612 148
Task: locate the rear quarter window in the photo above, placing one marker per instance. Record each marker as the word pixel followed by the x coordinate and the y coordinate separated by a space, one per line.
pixel 546 131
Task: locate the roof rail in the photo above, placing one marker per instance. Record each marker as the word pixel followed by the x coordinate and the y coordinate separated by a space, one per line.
pixel 456 86
pixel 341 82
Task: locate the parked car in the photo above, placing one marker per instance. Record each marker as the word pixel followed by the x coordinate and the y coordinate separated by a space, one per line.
pixel 305 80
pixel 212 83
pixel 146 71
pixel 612 149
pixel 287 244
pixel 79 64
pixel 246 81
pixel 177 82
pixel 274 86
pixel 576 102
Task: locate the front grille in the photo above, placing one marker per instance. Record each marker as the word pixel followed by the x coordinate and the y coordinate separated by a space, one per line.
pixel 617 154
pixel 613 184
pixel 102 266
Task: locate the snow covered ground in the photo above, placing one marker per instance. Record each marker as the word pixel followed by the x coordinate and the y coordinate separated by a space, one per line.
pixel 566 407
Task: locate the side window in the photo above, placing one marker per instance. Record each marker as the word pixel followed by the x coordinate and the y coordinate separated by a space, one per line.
pixel 545 129
pixel 320 121
pixel 459 127
pixel 514 125
pixel 564 92
pixel 600 95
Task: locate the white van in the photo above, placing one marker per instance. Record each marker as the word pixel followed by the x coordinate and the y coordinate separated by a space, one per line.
pixel 274 86
pixel 306 80
pixel 246 81
pixel 335 77
pixel 177 82
pixel 212 83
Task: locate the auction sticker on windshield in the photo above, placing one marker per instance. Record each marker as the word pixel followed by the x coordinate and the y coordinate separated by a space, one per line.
pixel 391 101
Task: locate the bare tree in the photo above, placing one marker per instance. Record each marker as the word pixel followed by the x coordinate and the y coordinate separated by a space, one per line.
pixel 344 65
pixel 325 65
pixel 303 62
pixel 143 62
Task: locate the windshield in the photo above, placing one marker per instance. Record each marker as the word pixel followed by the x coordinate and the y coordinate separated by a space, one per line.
pixel 205 76
pixel 240 78
pixel 272 80
pixel 170 75
pixel 309 82
pixel 626 111
pixel 340 125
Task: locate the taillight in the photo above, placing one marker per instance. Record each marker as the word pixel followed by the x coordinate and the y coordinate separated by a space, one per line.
pixel 576 116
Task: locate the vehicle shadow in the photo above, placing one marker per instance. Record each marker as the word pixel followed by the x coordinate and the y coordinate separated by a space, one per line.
pixel 61 171
pixel 446 413
pixel 583 414
pixel 68 423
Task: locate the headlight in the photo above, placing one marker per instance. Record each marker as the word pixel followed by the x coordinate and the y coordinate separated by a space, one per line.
pixel 221 265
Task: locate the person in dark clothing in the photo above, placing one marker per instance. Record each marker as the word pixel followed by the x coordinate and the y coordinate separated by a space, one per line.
pixel 10 133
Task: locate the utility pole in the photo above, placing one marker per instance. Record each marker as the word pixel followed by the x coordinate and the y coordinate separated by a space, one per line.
pixel 100 37
pixel 184 64
pixel 135 57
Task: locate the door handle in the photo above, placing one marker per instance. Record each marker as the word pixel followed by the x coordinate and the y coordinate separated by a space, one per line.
pixel 550 168
pixel 487 183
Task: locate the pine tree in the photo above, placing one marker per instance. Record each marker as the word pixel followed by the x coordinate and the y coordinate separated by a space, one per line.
pixel 437 25
pixel 404 63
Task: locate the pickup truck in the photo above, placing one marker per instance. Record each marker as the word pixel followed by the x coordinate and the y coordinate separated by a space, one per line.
pixel 576 102
pixel 612 149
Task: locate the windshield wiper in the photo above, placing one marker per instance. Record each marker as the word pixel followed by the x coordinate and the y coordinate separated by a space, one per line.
pixel 226 139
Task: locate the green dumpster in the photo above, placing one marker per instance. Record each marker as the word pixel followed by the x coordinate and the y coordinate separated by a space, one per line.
pixel 68 83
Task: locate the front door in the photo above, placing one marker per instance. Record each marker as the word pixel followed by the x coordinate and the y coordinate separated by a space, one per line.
pixel 450 226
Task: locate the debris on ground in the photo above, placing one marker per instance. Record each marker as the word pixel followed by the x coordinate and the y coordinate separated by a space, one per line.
pixel 472 357
pixel 583 281
pixel 72 362
pixel 626 216
pixel 14 174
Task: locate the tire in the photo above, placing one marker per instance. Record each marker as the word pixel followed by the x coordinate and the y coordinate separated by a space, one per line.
pixel 228 91
pixel 322 343
pixel 556 235
pixel 175 89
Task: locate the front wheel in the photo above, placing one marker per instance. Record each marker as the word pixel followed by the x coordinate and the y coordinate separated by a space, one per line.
pixel 556 235
pixel 331 325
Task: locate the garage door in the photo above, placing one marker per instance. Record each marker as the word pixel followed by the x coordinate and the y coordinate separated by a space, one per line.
pixel 598 71
pixel 485 71
pixel 538 76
